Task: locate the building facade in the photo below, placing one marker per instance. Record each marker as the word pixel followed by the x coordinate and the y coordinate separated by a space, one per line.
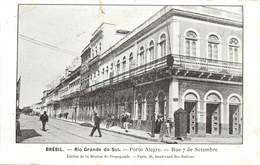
pixel 62 101
pixel 128 72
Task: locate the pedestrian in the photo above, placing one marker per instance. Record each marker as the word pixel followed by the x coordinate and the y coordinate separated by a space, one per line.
pixel 96 125
pixel 162 130
pixel 108 121
pixel 168 128
pixel 157 124
pixel 123 119
pixel 44 118
pixel 112 121
pixel 126 123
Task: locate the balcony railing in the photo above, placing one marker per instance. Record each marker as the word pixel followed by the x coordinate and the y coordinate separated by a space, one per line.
pixel 180 62
pixel 210 65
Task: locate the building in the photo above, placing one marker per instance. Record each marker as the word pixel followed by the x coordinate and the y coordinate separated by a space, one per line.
pixel 62 100
pixel 36 108
pixel 128 72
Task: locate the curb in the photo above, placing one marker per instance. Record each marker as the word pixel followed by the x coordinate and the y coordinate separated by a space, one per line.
pixel 136 136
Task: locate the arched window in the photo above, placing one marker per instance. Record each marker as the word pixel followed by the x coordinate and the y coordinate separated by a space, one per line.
pixel 213 47
pixel 140 107
pixel 151 51
pixel 124 63
pixel 118 66
pixel 111 70
pixel 162 44
pixel 233 45
pixel 149 105
pixel 107 71
pixel 92 53
pixel 191 43
pixel 100 46
pixel 141 55
pixel 131 64
pixel 111 66
pixel 103 73
pixel 96 50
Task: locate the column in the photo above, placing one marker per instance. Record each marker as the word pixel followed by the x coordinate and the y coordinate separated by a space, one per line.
pixel 174 101
pixel 201 117
pixel 156 106
pixel 175 36
pixel 144 109
pixel 224 119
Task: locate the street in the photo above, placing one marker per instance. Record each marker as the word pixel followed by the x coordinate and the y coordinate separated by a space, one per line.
pixel 59 131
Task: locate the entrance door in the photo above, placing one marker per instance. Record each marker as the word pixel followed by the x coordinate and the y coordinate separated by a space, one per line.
pixel 191 108
pixel 234 119
pixel 161 107
pixel 213 119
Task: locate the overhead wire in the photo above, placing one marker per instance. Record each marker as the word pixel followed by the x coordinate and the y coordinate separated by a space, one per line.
pixel 47 45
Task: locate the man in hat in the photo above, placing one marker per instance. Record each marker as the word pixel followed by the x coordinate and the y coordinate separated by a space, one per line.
pixel 44 118
pixel 96 125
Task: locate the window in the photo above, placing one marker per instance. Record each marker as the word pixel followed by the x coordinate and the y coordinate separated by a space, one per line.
pixel 162 44
pixel 233 49
pixel 191 43
pixel 124 63
pixel 92 53
pixel 151 51
pixel 118 66
pixel 100 45
pixel 213 46
pixel 107 71
pixel 131 64
pixel 111 67
pixel 96 50
pixel 141 55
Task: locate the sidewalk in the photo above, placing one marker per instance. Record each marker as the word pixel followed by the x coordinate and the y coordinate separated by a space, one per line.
pixel 116 129
pixel 170 140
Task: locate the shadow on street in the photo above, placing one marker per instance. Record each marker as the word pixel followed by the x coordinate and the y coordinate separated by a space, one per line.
pixel 26 134
pixel 86 124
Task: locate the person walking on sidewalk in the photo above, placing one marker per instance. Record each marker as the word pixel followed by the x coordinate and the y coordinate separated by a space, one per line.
pixel 126 123
pixel 108 121
pixel 123 119
pixel 96 125
pixel 44 118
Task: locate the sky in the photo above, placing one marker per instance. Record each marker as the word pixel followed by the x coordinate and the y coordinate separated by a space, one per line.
pixel 51 36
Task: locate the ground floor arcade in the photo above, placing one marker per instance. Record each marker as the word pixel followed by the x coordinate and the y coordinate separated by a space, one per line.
pixel 214 107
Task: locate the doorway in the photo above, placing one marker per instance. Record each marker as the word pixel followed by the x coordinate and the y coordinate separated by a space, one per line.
pixel 234 119
pixel 191 108
pixel 213 118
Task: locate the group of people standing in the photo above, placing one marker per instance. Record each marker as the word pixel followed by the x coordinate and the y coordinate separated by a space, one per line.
pixel 163 126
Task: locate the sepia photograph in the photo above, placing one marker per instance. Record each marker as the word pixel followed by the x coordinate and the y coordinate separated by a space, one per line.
pixel 126 74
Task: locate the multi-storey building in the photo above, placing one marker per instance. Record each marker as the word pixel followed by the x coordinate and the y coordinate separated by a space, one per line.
pixel 37 108
pixel 132 75
pixel 63 100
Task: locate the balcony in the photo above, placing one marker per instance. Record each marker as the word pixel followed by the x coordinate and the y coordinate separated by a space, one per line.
pixel 208 65
pixel 183 66
pixel 94 60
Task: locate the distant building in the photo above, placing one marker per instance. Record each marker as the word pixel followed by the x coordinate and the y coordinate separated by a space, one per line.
pixel 36 108
pixel 63 100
